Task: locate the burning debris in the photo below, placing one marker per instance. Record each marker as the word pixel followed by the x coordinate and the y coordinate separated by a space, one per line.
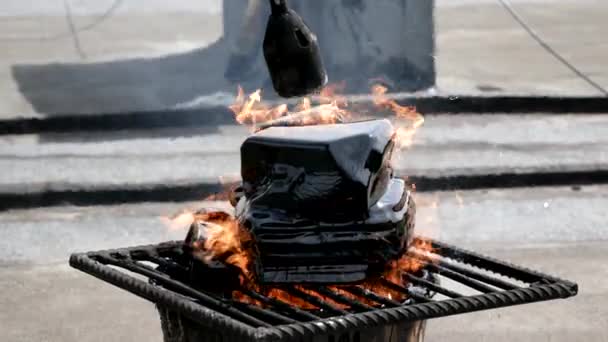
pixel 318 202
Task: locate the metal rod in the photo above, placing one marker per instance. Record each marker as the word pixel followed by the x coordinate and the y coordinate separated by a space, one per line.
pixel 409 313
pixel 463 279
pixel 161 297
pixel 96 264
pixel 472 283
pixel 465 271
pixel 359 291
pixel 404 290
pixel 177 286
pixel 432 286
pixel 479 276
pixel 321 304
pixel 324 291
pixel 265 313
pixel 280 305
pixel 496 266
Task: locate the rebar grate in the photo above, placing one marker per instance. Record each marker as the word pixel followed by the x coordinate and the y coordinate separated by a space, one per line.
pixel 469 282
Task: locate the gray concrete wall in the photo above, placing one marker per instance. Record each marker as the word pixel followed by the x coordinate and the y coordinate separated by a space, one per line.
pixel 360 40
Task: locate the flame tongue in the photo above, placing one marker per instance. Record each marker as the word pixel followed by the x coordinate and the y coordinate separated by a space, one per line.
pixel 408 115
pixel 253 112
pixel 225 241
pixel 330 107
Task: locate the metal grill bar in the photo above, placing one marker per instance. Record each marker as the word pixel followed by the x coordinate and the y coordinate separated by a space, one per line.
pixel 184 289
pixel 315 301
pixel 266 315
pixel 501 284
pixel 280 321
pixel 431 286
pixel 341 299
pixel 361 292
pixel 188 308
pixel 280 305
pixel 474 259
pixel 472 283
pixel 399 288
pixel 463 279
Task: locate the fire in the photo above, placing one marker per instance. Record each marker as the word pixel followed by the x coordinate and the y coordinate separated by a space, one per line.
pixel 227 242
pixel 252 111
pixel 326 108
pixel 331 94
pixel 403 135
pixel 407 264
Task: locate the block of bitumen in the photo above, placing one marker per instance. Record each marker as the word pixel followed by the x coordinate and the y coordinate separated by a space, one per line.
pixel 341 169
pixel 296 249
pixel 321 204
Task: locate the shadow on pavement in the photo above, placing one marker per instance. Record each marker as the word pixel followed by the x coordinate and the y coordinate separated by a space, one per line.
pixel 143 90
pixel 139 84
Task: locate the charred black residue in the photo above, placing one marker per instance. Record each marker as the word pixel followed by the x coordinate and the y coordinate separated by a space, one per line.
pixel 321 201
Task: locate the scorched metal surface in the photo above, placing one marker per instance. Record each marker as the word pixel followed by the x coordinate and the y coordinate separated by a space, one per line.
pixel 489 284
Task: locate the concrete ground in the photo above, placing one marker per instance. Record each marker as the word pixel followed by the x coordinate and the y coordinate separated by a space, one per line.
pixel 445 145
pixel 481 47
pixel 560 231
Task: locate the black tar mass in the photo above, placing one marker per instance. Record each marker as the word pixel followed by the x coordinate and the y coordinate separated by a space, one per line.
pixel 321 202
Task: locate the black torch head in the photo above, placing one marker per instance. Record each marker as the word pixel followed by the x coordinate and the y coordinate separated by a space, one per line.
pixel 292 53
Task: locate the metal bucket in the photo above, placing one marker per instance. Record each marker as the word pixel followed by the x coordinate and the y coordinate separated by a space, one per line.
pixel 177 328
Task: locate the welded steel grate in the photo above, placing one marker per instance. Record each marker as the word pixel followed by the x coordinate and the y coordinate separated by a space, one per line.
pixel 469 282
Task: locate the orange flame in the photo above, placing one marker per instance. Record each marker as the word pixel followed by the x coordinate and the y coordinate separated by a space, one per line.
pixel 252 110
pixel 407 264
pixel 226 241
pixel 403 135
pixel 330 108
pixel 331 94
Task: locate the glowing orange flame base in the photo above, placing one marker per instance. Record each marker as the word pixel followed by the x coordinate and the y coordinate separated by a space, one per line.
pixel 226 241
